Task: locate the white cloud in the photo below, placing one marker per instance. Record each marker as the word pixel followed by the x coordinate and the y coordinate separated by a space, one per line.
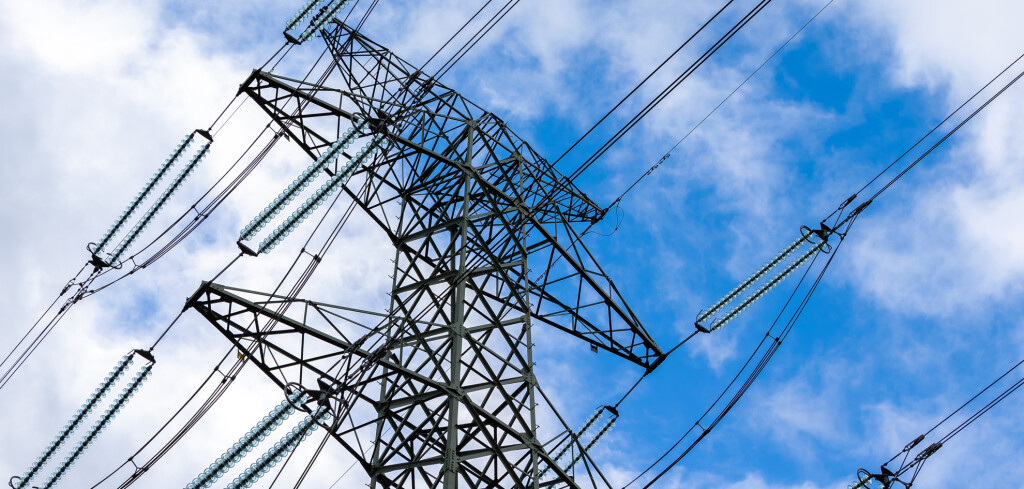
pixel 990 442
pixel 99 93
pixel 104 93
pixel 939 45
pixel 693 479
pixel 716 349
pixel 952 244
pixel 757 481
pixel 797 410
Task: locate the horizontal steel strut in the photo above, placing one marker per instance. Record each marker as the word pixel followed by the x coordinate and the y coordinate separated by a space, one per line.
pixel 438 391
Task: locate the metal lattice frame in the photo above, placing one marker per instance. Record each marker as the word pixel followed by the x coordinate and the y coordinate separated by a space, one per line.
pixel 439 391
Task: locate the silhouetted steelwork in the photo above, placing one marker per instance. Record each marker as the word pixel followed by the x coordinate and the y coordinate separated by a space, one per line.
pixel 438 391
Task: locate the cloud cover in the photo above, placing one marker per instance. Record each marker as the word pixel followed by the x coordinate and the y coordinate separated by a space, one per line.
pixel 96 102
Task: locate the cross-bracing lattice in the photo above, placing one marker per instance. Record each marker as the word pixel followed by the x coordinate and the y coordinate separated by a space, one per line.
pixel 439 390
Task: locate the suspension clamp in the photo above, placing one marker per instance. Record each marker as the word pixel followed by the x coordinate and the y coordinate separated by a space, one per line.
pixel 701 327
pixel 245 249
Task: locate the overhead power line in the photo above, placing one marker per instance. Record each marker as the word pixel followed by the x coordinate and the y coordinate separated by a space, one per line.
pixel 891 478
pixel 743 83
pixel 642 82
pixel 670 88
pixel 843 223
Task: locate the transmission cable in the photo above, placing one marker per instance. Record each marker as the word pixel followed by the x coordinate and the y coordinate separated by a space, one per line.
pixel 367 14
pixel 201 216
pixel 670 88
pixel 889 477
pixel 984 409
pixel 773 343
pixel 642 82
pixel 43 315
pixel 81 293
pixel 83 290
pixel 474 39
pixel 934 146
pixel 767 60
pixel 498 16
pixel 450 39
pixel 305 276
pixel 230 375
pixel 935 128
pixel 950 133
pixel 847 222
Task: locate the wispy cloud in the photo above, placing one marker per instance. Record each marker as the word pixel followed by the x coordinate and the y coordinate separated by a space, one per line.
pixel 99 99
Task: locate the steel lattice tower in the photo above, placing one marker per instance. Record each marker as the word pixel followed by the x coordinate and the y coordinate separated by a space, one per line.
pixel 439 390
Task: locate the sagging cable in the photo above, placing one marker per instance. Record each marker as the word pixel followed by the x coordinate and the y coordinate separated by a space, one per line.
pixel 302 181
pixel 247 442
pixel 321 195
pixel 76 421
pixel 115 407
pixel 281 449
pixel 141 196
pixel 706 320
pixel 154 209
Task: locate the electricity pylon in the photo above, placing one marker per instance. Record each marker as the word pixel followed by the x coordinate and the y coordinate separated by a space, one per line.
pixel 440 389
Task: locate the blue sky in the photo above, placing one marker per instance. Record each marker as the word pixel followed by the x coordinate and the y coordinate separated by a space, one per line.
pixel 919 310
